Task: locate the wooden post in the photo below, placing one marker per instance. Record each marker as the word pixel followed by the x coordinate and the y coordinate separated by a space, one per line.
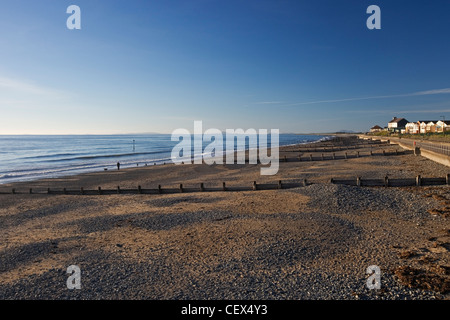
pixel 322 157
pixel 139 189
pixel 346 156
pixel 31 191
pixel 64 191
pixel 280 185
pixel 357 154
pixel 99 190
pixel 396 152
pixel 305 183
pixel 299 157
pixel 181 188
pixel 118 189
pixel 285 160
pixel 202 188
pixel 224 188
pixel 159 189
pixel 386 181
pixel 371 153
pixel 331 180
pixel 48 190
pixel 310 157
pixel 358 181
pixel 254 186
pixel 82 190
pixel 13 191
pixel 447 179
pixel 334 156
pixel 418 180
pixel 384 152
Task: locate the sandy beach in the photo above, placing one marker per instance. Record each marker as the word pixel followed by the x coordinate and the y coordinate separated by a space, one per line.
pixel 310 242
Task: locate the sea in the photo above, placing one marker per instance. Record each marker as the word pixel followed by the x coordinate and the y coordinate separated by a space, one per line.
pixel 33 157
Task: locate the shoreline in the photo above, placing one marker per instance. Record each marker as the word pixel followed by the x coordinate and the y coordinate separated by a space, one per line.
pixel 19 184
pixel 312 242
pixel 131 164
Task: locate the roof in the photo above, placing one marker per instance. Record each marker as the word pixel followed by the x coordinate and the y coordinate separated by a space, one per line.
pixel 376 127
pixel 426 121
pixel 395 120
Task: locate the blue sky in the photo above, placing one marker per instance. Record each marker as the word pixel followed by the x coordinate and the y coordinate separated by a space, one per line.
pixel 155 66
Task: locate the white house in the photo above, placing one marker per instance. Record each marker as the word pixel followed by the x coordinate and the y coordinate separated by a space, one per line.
pixel 376 128
pixel 423 126
pixel 431 126
pixel 412 127
pixel 443 126
pixel 396 124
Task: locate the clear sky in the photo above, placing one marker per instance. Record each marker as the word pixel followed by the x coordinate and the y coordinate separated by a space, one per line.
pixel 155 66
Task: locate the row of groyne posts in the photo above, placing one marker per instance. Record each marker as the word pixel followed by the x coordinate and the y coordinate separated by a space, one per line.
pixel 343 148
pixel 358 181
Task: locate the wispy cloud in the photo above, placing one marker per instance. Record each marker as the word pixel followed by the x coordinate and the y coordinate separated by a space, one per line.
pixel 26 87
pixel 420 93
pixel 269 102
pixel 436 91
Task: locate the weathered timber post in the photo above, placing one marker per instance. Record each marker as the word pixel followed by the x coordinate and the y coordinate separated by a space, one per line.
pixel 280 186
pixel 346 155
pixel 202 188
pixel 99 190
pixel 358 181
pixel 305 183
pixel 139 189
pixel 31 191
pixel 118 189
pixel 331 180
pixel 386 181
pixel 323 157
pixel 254 186
pixel 418 180
pixel 224 188
pixel 447 178
pixel 82 190
pixel 181 188
pixel 310 157
pixel 13 191
pixel 159 189
pixel 48 190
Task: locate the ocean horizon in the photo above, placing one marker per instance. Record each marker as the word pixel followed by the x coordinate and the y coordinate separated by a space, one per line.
pixel 34 157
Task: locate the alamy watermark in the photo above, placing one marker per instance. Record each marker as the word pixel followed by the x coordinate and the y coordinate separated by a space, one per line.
pixel 374 280
pixel 190 148
pixel 74 280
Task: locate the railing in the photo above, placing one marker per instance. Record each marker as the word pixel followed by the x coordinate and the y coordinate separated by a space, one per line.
pixel 441 148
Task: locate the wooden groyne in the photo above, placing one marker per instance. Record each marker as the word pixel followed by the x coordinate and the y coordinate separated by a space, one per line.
pixel 254 186
pixel 394 182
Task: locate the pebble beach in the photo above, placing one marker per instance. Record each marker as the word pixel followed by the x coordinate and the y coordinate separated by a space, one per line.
pixel 310 242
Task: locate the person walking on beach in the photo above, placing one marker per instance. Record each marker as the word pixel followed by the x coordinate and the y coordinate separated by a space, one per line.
pixel 118 165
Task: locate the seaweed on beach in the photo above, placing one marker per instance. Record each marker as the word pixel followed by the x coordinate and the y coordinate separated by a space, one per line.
pixel 426 280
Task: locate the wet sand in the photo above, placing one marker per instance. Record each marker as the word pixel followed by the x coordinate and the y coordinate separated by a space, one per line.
pixel 312 242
